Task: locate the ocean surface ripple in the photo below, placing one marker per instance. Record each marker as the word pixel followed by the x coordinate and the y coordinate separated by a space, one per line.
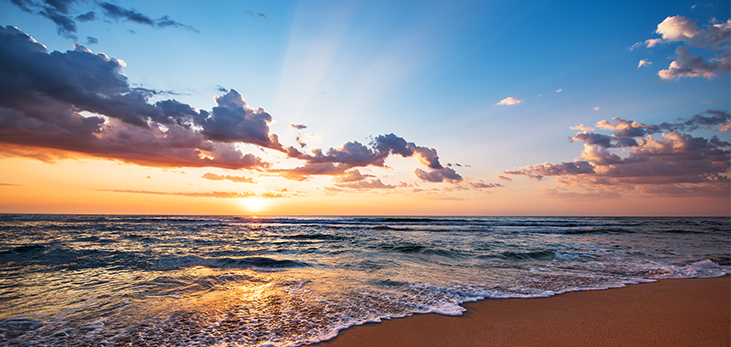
pixel 104 280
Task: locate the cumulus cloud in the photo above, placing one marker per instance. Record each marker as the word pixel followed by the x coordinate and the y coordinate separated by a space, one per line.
pixel 716 36
pixel 671 163
pixel 44 94
pixel 686 65
pixel 509 101
pixel 680 28
pixel 238 179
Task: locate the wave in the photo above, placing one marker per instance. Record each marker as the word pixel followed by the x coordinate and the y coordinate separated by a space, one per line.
pixel 229 263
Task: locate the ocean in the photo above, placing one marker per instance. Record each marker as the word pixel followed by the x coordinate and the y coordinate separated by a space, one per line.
pixel 104 280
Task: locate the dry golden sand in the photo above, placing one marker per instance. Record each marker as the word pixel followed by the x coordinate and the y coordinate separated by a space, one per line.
pixel 673 312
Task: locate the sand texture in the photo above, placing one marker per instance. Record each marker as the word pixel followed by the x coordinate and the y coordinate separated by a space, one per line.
pixel 672 312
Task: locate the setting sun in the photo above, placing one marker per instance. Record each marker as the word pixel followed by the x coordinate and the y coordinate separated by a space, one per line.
pixel 254 203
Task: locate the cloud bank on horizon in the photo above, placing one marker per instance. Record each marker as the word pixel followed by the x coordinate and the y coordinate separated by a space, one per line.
pixel 631 160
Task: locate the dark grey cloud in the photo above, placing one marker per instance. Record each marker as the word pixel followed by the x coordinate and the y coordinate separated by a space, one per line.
pixel 90 40
pixel 166 21
pixel 117 12
pixel 63 14
pixel 86 17
pixel 298 126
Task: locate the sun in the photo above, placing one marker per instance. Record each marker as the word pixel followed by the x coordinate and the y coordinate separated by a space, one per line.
pixel 255 203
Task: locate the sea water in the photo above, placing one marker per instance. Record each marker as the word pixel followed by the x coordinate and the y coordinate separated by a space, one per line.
pixel 103 280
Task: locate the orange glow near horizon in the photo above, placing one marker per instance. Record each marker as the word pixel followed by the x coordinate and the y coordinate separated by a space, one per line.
pixel 90 186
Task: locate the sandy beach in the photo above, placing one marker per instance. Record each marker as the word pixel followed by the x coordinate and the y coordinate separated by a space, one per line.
pixel 672 312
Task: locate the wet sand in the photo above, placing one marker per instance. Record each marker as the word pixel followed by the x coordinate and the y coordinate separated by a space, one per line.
pixel 672 312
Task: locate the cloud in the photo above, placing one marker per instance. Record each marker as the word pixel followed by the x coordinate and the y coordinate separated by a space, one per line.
pixel 86 17
pixel 366 184
pixel 438 175
pixel 483 185
pixel 559 90
pixel 673 163
pixel 90 40
pixel 298 126
pixel 681 29
pixel 166 21
pixel 581 127
pixel 43 95
pixel 237 179
pixel 79 101
pixel 509 101
pixel 61 13
pixel 117 12
pixel 256 14
pixel 596 108
pixel 351 176
pixel 644 62
pixel 687 65
pixel 219 195
pixel 504 178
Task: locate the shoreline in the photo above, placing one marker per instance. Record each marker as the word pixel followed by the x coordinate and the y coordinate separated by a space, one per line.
pixel 669 312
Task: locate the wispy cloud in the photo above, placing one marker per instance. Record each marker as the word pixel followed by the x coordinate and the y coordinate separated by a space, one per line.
pixel 65 13
pixel 220 195
pixel 238 179
pixel 644 62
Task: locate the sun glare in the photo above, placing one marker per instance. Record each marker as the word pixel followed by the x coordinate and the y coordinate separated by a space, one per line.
pixel 254 203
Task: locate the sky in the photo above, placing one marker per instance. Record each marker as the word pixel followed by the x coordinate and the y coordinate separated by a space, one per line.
pixel 365 107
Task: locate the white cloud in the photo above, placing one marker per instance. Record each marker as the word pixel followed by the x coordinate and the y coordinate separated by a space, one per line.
pixel 677 28
pixel 596 108
pixel 644 62
pixel 559 90
pixel 509 101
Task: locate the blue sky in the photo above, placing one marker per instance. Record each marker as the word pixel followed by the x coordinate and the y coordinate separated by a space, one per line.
pixel 432 73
